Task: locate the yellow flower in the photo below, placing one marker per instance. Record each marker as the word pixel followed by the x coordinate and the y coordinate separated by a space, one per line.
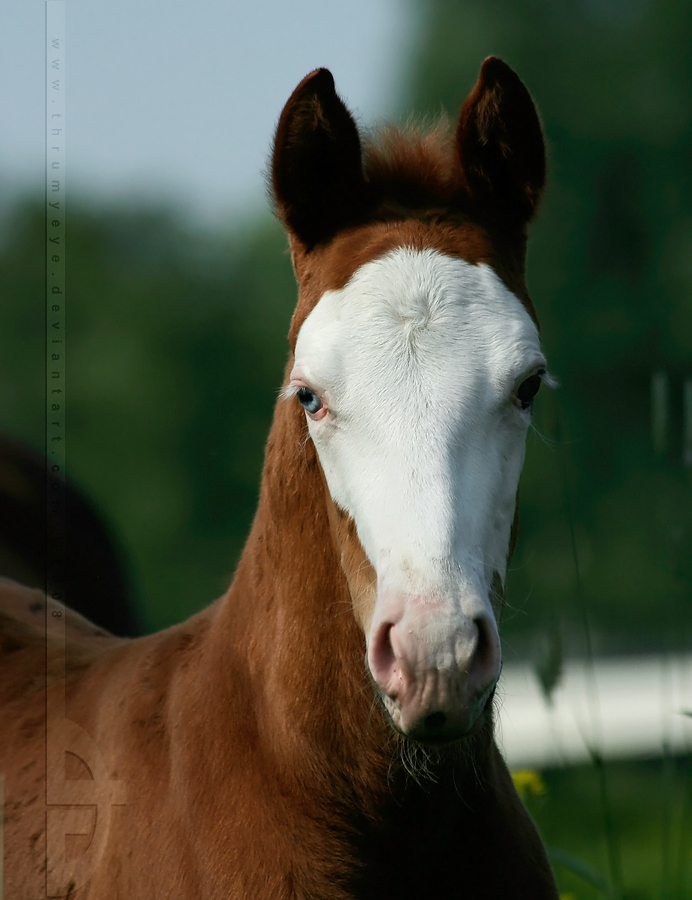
pixel 526 782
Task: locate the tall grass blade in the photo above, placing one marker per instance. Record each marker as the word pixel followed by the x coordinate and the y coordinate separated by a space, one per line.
pixel 612 842
pixel 579 868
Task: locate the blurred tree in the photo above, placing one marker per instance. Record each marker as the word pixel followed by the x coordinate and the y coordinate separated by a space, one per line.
pixel 176 346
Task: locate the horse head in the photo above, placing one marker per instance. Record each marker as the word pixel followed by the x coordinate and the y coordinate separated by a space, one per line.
pixel 416 359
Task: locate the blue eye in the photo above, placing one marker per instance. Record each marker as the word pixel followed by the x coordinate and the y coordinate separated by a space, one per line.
pixel 309 400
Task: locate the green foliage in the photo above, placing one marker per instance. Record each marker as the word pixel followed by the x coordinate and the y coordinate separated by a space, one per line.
pixel 654 848
pixel 176 343
pixel 609 269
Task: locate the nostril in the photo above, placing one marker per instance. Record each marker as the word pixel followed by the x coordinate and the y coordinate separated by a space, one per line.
pixel 435 722
pixel 483 646
pixel 381 656
pixel 485 663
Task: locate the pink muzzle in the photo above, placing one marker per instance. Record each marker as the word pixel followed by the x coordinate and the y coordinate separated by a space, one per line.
pixel 435 670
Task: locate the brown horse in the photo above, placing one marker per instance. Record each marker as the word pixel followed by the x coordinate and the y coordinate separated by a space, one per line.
pixel 96 578
pixel 249 752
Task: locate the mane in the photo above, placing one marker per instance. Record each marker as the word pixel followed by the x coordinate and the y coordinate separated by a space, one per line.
pixel 410 169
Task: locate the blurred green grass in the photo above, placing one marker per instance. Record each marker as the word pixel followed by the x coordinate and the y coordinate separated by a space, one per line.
pixel 651 808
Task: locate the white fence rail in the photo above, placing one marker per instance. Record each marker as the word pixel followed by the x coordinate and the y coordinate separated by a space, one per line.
pixel 620 708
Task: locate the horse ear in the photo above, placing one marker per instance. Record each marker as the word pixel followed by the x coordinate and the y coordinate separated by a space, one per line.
pixel 317 175
pixel 499 146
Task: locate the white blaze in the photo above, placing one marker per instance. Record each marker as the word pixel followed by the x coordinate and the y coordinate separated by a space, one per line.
pixel 417 359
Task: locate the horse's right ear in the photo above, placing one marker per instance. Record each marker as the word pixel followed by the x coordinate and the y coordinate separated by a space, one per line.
pixel 500 153
pixel 317 175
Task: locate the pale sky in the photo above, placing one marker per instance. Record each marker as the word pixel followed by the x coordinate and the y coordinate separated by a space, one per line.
pixel 180 99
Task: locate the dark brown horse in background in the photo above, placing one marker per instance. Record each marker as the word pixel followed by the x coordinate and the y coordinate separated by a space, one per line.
pixel 97 578
pixel 250 752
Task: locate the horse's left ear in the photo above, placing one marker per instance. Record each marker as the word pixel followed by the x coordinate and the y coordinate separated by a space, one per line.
pixel 317 175
pixel 499 146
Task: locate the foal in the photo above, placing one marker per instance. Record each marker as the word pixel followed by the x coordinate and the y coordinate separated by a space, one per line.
pixel 249 753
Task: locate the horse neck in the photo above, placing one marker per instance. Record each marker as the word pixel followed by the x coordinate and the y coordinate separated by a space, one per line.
pixel 282 695
pixel 289 613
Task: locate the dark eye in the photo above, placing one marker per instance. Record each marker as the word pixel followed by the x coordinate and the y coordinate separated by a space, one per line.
pixel 528 389
pixel 309 400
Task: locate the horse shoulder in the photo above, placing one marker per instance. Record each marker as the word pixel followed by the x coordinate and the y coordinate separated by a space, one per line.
pixel 123 701
pixel 33 630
